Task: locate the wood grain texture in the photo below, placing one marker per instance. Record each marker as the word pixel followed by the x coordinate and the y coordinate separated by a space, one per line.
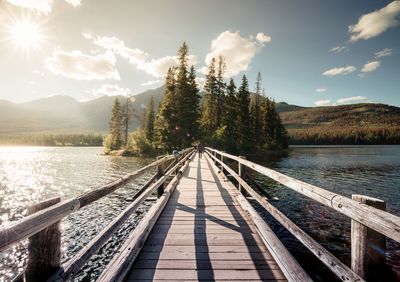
pixel 44 248
pixel 204 235
pixel 342 271
pixel 381 221
pixel 368 247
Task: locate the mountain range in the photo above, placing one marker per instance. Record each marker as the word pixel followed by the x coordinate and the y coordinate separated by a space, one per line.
pixel 64 114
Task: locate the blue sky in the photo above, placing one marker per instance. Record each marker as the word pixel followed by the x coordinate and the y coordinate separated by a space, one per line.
pixel 89 48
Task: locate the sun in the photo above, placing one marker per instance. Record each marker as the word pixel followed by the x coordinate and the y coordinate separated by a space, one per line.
pixel 25 35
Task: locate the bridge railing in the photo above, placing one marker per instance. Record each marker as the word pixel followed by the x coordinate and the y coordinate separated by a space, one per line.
pixel 42 225
pixel 370 223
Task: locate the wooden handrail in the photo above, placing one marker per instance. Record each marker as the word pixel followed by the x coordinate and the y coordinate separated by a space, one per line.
pixel 334 264
pixel 119 266
pixel 378 220
pixel 36 222
pixel 78 261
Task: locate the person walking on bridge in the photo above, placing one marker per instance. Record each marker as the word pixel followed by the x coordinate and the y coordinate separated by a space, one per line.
pixel 200 149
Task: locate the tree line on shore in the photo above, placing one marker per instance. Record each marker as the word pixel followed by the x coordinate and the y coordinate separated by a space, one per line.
pixel 53 140
pixel 381 135
pixel 227 117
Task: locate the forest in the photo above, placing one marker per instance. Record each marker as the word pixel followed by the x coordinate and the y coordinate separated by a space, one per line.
pixel 228 117
pixel 53 140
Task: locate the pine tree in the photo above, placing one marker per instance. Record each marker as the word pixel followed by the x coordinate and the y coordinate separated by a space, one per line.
pixel 209 116
pixel 256 112
pixel 191 112
pixel 166 123
pixel 115 126
pixel 244 118
pixel 220 93
pixel 187 99
pixel 150 121
pixel 229 117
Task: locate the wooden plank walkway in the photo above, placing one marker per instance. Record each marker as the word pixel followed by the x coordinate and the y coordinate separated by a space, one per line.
pixel 204 234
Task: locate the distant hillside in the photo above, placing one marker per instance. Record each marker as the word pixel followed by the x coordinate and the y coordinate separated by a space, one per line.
pixel 65 115
pixel 344 124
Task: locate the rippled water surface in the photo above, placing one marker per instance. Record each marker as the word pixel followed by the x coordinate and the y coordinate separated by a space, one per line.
pixel 31 174
pixel 366 170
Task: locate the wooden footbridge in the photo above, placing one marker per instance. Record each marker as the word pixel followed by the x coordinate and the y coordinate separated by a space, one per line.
pixel 202 227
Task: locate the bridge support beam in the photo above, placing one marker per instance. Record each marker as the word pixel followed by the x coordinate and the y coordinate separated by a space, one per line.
pixel 242 173
pixel 368 247
pixel 160 173
pixel 44 248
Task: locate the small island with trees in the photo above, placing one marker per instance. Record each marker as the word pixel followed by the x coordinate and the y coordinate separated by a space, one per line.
pixel 227 117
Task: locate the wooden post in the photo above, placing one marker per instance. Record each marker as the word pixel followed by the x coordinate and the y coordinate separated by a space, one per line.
pixel 241 172
pixel 368 247
pixel 160 173
pixel 44 248
pixel 222 160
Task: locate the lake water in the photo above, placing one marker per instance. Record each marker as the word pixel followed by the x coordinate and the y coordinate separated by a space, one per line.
pixel 32 174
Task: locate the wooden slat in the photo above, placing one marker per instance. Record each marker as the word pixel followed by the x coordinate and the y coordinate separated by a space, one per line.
pixel 290 267
pixel 119 266
pixel 185 274
pixel 204 234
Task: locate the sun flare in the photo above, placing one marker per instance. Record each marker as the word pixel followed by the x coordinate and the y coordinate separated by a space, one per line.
pixel 25 35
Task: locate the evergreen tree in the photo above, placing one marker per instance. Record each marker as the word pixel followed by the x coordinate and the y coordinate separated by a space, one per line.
pixel 220 93
pixel 166 123
pixel 229 118
pixel 127 113
pixel 177 118
pixel 209 120
pixel 150 121
pixel 115 126
pixel 256 113
pixel 243 118
pixel 191 112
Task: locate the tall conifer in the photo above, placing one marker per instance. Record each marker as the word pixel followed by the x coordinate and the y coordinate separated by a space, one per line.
pixel 244 118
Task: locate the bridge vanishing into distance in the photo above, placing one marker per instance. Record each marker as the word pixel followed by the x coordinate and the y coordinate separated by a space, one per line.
pixel 203 227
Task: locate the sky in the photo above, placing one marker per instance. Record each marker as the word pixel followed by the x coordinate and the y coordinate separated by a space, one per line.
pixel 309 53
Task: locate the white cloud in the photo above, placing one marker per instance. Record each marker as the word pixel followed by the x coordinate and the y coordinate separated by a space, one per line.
pixel 40 6
pixel 340 71
pixel 79 66
pixel 238 51
pixel 151 82
pixel 351 99
pixel 371 66
pixel 375 23
pixel 263 37
pixel 383 53
pixel 320 90
pixel 74 3
pixel 137 57
pixel 321 103
pixel 110 90
pixel 338 49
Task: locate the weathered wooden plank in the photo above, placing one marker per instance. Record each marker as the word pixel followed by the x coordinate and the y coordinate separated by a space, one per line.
pixel 35 223
pixel 205 236
pixel 368 247
pixel 204 249
pixel 44 248
pixel 184 274
pixel 211 256
pixel 381 221
pixel 205 264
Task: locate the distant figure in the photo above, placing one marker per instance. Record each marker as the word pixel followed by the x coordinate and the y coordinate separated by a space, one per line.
pixel 200 149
